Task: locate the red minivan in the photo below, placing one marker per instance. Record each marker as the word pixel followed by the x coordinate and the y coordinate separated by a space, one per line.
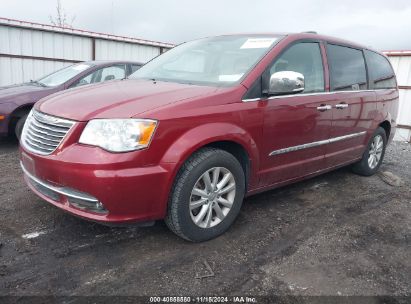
pixel 207 123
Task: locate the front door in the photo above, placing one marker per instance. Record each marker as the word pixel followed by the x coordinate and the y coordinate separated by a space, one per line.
pixel 295 135
pixel 296 127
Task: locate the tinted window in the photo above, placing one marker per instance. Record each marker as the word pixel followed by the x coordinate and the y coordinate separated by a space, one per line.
pixel 134 67
pixel 381 74
pixel 304 58
pixel 347 68
pixel 103 74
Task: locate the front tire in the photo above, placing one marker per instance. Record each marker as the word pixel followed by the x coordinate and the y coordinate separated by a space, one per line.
pixel 19 126
pixel 206 196
pixel 373 155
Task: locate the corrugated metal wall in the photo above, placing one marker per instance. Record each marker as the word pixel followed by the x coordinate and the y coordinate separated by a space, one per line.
pixel 120 50
pixel 401 62
pixel 30 50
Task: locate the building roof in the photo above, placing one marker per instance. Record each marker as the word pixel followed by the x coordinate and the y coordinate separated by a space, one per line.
pixel 79 32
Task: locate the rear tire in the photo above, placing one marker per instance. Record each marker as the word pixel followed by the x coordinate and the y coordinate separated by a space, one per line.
pixel 19 126
pixel 206 196
pixel 373 155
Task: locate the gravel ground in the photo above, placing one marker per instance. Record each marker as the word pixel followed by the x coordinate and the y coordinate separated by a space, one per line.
pixel 337 234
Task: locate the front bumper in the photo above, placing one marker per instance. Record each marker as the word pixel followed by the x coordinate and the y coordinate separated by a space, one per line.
pixel 120 194
pixel 64 195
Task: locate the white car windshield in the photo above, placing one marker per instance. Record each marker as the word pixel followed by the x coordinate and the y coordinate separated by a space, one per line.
pixel 63 75
pixel 216 61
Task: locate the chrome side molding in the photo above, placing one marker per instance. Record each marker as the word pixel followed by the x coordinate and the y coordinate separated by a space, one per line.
pixel 315 144
pixel 332 140
pixel 306 94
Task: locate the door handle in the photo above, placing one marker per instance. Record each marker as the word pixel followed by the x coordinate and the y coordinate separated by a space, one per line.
pixel 341 106
pixel 323 108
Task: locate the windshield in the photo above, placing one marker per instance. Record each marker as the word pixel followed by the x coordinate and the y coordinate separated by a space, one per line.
pixel 217 61
pixel 61 76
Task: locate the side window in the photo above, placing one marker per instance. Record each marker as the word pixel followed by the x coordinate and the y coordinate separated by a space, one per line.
pixel 304 58
pixel 347 68
pixel 103 74
pixel 113 72
pixel 381 74
pixel 134 67
pixel 83 81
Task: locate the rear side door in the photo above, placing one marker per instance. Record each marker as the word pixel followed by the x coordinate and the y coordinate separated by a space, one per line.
pixel 296 127
pixel 353 105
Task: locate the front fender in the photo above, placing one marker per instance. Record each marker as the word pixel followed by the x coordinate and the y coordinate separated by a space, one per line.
pixel 202 135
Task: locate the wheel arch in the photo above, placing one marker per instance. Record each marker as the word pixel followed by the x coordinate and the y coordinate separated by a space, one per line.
pixel 225 136
pixel 16 114
pixel 238 151
pixel 386 125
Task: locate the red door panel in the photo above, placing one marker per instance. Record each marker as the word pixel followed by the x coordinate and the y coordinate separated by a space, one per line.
pixel 353 115
pixel 290 123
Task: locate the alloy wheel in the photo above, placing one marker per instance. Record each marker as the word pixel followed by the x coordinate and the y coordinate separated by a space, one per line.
pixel 375 151
pixel 212 197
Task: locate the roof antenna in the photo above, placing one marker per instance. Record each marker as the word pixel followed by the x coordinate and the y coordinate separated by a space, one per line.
pixel 311 32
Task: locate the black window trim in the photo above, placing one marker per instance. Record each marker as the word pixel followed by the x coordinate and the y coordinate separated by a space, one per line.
pixel 247 98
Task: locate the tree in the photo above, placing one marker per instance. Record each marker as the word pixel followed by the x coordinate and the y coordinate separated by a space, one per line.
pixel 62 19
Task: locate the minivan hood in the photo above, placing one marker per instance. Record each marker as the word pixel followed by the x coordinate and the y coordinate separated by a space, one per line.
pixel 118 99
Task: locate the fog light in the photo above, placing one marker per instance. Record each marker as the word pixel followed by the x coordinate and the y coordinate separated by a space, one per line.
pixel 95 207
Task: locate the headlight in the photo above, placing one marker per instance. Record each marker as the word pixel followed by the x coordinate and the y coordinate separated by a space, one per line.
pixel 119 135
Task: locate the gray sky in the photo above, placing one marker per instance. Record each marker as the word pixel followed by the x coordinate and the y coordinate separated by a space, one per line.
pixel 381 24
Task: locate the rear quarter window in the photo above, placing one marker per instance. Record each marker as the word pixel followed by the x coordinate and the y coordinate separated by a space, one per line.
pixel 380 71
pixel 347 68
pixel 135 67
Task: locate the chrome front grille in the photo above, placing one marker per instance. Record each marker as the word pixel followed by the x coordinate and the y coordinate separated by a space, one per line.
pixel 43 133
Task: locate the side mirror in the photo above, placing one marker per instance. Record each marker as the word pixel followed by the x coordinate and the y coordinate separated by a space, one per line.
pixel 286 82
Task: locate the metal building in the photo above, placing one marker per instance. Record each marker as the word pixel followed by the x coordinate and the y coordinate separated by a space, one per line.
pixel 401 62
pixel 31 50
